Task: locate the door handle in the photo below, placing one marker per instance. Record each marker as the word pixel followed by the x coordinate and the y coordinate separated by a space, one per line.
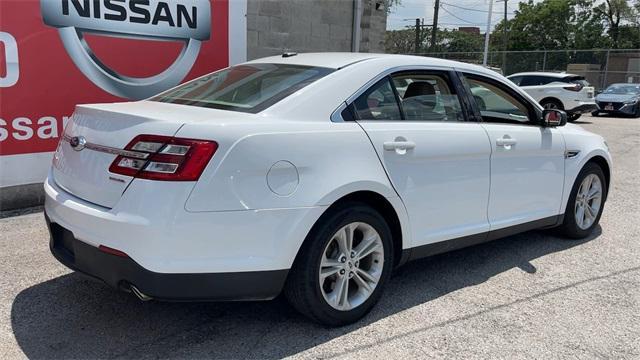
pixel 398 145
pixel 506 142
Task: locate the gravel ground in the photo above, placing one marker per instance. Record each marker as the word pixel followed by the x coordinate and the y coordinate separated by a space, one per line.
pixel 526 296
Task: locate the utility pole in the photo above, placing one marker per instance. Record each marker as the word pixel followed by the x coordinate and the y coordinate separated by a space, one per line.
pixel 486 35
pixel 434 29
pixel 417 43
pixel 504 39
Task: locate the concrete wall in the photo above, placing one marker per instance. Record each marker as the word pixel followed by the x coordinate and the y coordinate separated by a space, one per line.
pixel 305 26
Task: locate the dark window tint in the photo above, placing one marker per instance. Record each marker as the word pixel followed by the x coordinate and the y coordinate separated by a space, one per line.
pixel 378 103
pixel 245 88
pixel 537 80
pixel 576 80
pixel 516 80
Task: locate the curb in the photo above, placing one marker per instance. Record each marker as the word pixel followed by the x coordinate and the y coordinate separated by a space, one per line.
pixel 21 196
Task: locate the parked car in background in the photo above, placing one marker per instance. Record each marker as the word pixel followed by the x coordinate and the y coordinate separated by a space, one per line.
pixel 313 174
pixel 568 92
pixel 619 99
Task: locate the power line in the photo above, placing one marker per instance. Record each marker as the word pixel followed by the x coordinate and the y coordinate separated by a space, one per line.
pixel 470 9
pixel 459 18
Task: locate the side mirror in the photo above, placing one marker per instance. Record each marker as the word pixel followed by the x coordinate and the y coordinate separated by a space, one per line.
pixel 554 117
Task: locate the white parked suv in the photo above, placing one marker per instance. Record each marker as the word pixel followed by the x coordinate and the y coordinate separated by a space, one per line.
pixel 313 174
pixel 568 92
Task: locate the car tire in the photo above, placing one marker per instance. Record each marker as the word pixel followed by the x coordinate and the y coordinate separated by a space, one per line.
pixel 585 203
pixel 637 114
pixel 318 297
pixel 573 117
pixel 552 104
pixel 595 113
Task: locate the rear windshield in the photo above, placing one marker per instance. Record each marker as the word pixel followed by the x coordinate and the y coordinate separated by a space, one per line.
pixel 577 80
pixel 246 88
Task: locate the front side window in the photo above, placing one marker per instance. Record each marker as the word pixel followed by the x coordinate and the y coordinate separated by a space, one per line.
pixel 245 88
pixel 496 104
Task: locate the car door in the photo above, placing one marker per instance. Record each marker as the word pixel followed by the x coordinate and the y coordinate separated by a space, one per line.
pixel 527 160
pixel 437 161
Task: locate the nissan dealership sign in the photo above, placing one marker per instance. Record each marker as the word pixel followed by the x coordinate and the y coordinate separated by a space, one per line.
pixel 55 54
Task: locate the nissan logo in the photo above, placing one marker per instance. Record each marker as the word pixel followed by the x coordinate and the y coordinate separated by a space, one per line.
pixel 78 143
pixel 188 21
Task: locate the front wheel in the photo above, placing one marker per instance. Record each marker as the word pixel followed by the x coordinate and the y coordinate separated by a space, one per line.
pixel 586 202
pixel 342 267
pixel 573 117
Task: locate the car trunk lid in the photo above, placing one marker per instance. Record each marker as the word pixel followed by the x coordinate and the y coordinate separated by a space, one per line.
pixel 84 170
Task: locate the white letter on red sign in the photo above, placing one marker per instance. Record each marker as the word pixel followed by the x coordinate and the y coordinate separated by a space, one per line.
pixel 11 58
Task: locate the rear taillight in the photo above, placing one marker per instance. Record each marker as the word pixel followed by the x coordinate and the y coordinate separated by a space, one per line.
pixel 574 87
pixel 164 158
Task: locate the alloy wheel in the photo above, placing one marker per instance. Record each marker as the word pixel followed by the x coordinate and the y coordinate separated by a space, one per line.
pixel 551 106
pixel 351 266
pixel 588 201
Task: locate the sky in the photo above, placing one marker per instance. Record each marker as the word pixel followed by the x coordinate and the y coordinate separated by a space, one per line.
pixel 453 13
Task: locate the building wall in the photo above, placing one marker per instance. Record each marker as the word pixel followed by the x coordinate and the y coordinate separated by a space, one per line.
pixel 305 26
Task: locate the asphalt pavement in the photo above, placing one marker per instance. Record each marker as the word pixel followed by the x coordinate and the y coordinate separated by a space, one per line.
pixel 532 295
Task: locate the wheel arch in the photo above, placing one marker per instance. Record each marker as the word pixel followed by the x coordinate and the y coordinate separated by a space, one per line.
pixel 387 207
pixel 606 169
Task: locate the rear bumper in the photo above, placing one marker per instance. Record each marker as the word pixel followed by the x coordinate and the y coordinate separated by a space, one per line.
pixel 123 272
pixel 149 224
pixel 583 108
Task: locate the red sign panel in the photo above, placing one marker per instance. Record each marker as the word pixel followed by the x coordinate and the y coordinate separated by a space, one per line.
pixel 56 54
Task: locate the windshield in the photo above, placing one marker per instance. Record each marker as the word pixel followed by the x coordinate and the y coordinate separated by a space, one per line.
pixel 246 88
pixel 623 89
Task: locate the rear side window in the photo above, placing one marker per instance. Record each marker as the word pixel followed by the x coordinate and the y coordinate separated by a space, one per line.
pixel 427 97
pixel 245 88
pixel 516 80
pixel 378 103
pixel 536 80
pixel 411 96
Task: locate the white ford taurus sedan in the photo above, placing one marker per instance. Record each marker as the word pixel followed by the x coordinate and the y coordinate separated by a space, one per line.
pixel 313 174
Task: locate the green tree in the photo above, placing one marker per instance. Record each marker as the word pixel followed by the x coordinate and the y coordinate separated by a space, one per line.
pixel 402 41
pixel 614 12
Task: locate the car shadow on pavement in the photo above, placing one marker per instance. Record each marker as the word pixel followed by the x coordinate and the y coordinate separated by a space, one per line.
pixel 73 316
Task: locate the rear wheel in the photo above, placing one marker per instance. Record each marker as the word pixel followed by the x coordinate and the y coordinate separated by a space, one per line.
pixel 595 113
pixel 342 267
pixel 550 104
pixel 585 204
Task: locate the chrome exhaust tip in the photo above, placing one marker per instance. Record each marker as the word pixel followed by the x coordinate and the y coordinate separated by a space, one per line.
pixel 139 294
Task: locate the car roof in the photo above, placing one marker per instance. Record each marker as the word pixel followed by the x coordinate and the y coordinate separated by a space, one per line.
pixel 558 75
pixel 337 60
pixel 543 73
pixel 625 84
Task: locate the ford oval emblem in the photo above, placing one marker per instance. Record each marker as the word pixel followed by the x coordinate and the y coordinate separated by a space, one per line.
pixel 78 143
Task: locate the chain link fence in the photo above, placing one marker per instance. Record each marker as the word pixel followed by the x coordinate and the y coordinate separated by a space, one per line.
pixel 600 67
